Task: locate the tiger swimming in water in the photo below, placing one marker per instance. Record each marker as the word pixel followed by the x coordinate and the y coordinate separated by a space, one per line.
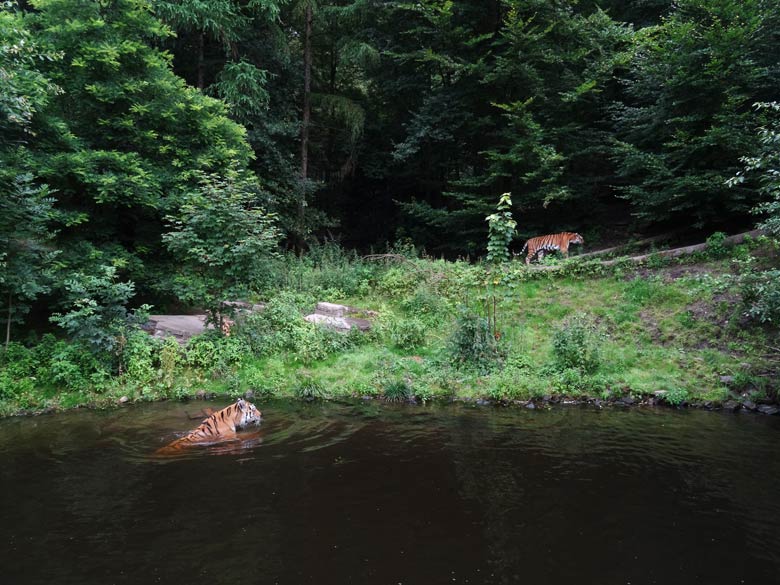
pixel 220 426
pixel 550 243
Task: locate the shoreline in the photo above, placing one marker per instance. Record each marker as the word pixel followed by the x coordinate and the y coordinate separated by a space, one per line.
pixel 543 403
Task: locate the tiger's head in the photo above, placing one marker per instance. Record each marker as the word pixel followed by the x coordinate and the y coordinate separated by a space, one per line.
pixel 246 414
pixel 576 239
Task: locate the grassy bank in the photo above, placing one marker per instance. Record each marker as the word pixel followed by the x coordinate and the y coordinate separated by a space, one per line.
pixel 677 331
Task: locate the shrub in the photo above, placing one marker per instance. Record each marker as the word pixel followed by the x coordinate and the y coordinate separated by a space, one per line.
pixel 501 230
pixel 17 361
pixel 308 388
pixel 761 296
pixel 260 383
pixel 98 315
pixel 398 282
pixel 424 304
pixel 676 396
pixel 170 356
pixel 406 333
pixel 139 355
pixel 574 382
pixel 577 344
pixel 397 391
pixel 472 342
pixel 516 384
pixel 716 245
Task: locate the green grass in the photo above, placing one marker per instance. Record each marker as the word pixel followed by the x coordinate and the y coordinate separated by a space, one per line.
pixel 660 334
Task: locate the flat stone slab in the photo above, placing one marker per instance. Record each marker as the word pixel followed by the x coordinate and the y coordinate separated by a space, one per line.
pixel 335 317
pixel 329 315
pixel 332 309
pixel 182 327
pixel 329 321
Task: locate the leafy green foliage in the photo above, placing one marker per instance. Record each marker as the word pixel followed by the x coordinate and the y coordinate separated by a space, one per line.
pixel 222 240
pixel 501 228
pixel 766 163
pixel 472 343
pixel 397 391
pixel 686 118
pixel 308 388
pixel 26 253
pixel 405 333
pixel 761 296
pixel 676 396
pixel 24 89
pixel 125 137
pixel 576 345
pixel 97 311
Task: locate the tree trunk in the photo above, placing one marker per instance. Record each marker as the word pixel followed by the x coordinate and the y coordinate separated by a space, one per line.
pixel 8 325
pixel 201 76
pixel 306 118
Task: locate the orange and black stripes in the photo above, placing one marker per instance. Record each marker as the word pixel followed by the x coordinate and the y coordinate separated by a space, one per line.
pixel 550 243
pixel 221 425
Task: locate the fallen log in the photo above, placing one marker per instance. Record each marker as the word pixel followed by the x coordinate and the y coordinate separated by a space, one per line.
pixel 644 242
pixel 673 253
pixel 685 250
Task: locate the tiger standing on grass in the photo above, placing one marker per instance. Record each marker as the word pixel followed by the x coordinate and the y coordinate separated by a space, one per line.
pixel 220 426
pixel 551 243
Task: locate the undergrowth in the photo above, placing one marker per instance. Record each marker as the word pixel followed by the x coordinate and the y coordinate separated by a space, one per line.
pixel 444 330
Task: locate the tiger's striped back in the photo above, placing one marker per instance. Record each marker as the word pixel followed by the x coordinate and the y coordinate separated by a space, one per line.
pixel 550 243
pixel 220 426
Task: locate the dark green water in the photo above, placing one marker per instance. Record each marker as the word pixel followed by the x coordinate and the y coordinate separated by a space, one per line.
pixel 368 493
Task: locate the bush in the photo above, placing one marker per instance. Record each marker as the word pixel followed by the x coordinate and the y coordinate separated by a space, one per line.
pixel 309 388
pixel 424 304
pixel 140 353
pixel 170 356
pixel 676 396
pixel 398 282
pixel 472 344
pixel 260 383
pixel 406 334
pixel 577 344
pixel 574 382
pixel 517 384
pixel 716 245
pixel 761 296
pixel 17 361
pixel 397 391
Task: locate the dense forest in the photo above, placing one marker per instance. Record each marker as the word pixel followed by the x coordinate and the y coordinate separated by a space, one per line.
pixel 166 151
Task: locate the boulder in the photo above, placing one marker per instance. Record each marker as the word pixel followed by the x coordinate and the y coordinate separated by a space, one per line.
pixel 331 322
pixel 768 409
pixel 180 327
pixel 336 317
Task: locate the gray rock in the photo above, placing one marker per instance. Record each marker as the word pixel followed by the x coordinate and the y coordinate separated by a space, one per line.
pixel 727 380
pixel 748 404
pixel 249 394
pixel 123 399
pixel 180 327
pixel 628 400
pixel 530 406
pixel 768 409
pixel 200 394
pixel 329 321
pixel 731 405
pixel 660 393
pixel 332 309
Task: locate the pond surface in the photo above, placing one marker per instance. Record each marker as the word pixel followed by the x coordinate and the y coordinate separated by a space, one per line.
pixel 369 493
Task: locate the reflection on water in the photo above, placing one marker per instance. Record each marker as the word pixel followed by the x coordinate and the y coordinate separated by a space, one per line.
pixel 370 493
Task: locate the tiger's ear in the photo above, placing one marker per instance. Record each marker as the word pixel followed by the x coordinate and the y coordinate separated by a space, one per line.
pixel 241 404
